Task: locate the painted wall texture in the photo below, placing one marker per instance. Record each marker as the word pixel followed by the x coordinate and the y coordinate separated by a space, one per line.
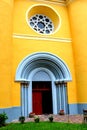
pixel 18 40
pixel 78 29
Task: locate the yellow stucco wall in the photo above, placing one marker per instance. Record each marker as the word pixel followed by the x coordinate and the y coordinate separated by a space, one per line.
pixel 10 2
pixel 24 46
pixel 47 46
pixel 20 18
pixel 78 17
pixel 5 54
pixel 15 49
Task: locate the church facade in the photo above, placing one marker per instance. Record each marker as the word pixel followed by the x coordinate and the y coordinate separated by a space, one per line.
pixel 43 57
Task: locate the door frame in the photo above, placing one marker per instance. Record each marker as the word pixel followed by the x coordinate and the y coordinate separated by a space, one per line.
pixel 54 98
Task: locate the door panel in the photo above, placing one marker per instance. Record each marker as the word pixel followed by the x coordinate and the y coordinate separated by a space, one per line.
pixel 42 98
pixel 37 103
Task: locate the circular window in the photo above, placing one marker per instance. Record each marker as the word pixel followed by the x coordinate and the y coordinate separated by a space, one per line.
pixel 43 19
pixel 41 24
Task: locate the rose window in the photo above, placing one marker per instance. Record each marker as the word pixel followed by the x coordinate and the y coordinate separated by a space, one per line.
pixel 42 24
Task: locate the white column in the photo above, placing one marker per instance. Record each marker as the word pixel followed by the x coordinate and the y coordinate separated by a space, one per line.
pixel 30 97
pixel 64 99
pixel 25 100
pixel 22 100
pixel 54 98
pixel 60 95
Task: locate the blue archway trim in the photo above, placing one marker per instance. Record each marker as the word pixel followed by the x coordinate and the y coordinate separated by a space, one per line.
pixel 45 60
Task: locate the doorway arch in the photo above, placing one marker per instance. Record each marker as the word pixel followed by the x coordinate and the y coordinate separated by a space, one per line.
pixel 43 66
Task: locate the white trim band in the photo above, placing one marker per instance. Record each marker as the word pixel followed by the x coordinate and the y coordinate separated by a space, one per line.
pixel 25 36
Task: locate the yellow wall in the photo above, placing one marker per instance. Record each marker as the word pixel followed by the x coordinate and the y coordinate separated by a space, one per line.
pixel 10 2
pixel 5 54
pixel 14 50
pixel 24 46
pixel 78 19
pixel 20 18
pixel 47 46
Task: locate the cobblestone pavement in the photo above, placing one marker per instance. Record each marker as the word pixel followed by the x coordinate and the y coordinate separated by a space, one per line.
pixel 58 118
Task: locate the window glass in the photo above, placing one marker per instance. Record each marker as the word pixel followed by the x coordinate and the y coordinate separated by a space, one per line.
pixel 41 24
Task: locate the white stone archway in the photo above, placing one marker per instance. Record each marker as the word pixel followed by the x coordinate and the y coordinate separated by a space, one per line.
pixel 42 67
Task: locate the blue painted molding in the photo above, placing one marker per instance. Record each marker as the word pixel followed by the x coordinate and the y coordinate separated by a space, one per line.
pixel 46 60
pixel 81 107
pixel 12 113
pixel 73 109
pixel 76 108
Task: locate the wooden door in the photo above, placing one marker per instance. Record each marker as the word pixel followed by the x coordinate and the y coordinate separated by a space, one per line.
pixel 37 102
pixel 42 97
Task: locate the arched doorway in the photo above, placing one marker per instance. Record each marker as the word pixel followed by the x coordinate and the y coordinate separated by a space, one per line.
pixel 43 69
pixel 42 97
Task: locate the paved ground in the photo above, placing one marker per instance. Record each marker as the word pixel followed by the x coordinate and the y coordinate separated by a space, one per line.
pixel 58 118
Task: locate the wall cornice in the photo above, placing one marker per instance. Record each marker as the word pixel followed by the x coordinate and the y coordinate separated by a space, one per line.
pixel 25 36
pixel 61 2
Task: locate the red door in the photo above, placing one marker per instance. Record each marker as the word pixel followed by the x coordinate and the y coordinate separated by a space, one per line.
pixel 37 102
pixel 42 97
